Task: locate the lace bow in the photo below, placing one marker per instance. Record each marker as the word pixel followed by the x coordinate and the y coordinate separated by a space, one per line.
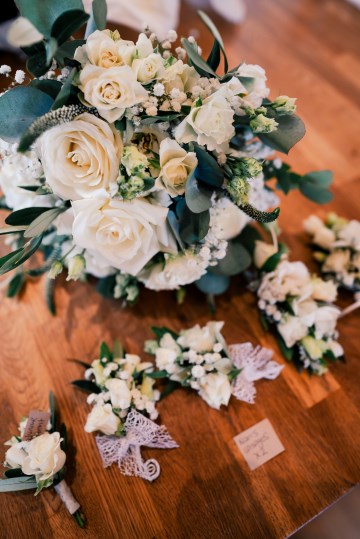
pixel 255 363
pixel 140 431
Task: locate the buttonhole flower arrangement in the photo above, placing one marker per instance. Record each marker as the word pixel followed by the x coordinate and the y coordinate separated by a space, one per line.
pixel 36 459
pixel 138 163
pixel 299 306
pixel 123 400
pixel 199 358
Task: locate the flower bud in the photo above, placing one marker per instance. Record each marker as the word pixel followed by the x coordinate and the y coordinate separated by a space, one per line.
pixel 284 104
pixel 76 268
pixel 247 167
pixel 238 189
pixel 55 270
pixel 262 124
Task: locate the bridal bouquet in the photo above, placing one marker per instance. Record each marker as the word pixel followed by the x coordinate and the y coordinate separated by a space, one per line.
pixel 300 308
pixel 124 407
pixel 36 459
pixel 199 358
pixel 138 162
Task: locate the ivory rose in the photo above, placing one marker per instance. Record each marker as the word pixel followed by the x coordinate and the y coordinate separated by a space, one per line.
pixel 102 419
pixel 81 158
pixel 176 165
pixel 105 49
pixel 215 389
pixel 127 234
pixel 44 456
pixel 111 91
pixel 120 394
pixel 201 339
pixel 210 124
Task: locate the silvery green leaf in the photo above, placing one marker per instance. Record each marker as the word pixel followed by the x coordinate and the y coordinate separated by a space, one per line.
pixel 14 484
pixel 42 222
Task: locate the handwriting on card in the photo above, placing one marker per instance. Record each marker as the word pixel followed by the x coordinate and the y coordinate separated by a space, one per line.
pixel 259 443
pixel 35 424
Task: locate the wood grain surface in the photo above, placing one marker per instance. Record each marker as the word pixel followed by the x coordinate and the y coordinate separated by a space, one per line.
pixel 206 489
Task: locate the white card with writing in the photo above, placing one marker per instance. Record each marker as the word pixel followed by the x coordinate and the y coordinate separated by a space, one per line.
pixel 259 443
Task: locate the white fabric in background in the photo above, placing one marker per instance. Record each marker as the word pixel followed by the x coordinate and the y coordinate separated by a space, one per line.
pixel 232 10
pixel 160 15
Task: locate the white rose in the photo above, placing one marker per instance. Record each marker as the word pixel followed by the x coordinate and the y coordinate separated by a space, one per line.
pixel 165 358
pixel 147 69
pixel 312 224
pixel 226 219
pixel 292 329
pixel 209 125
pixel 127 234
pixel 81 158
pixel 45 456
pixel 325 321
pixel 313 347
pixel 201 339
pixel 16 455
pixel 350 235
pixel 262 252
pixel 120 394
pixel 305 310
pixel 97 369
pixel 324 237
pixel 105 49
pixel 335 348
pixel 168 341
pixel 111 90
pixel 178 271
pixel 102 419
pixel 337 261
pixel 215 389
pixel 324 290
pixel 17 170
pixel 259 89
pixel 180 76
pixel 144 46
pixel 176 166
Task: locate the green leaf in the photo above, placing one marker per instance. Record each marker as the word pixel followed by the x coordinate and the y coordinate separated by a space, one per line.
pixel 271 263
pixel 314 186
pixel 193 227
pixel 99 13
pixel 37 64
pixel 86 385
pixel 320 196
pixel 288 353
pixel 67 23
pixel 48 86
pixel 14 472
pixel 12 229
pixel 198 197
pixel 25 216
pixel 43 17
pixel 213 60
pixel 67 50
pixel 105 286
pixel 248 236
pixel 51 48
pixel 236 261
pixel 118 349
pixel 52 411
pixel 169 388
pixel 217 36
pixel 42 222
pixel 19 107
pixel 105 352
pixel 208 170
pixel 157 375
pixel 49 295
pixel 201 66
pixel 159 332
pixel 16 285
pixel 18 257
pixel 174 225
pixel 291 129
pixel 213 284
pixel 320 179
pixel 15 484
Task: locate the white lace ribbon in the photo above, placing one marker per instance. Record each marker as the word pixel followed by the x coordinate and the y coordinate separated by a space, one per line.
pixel 255 363
pixel 140 431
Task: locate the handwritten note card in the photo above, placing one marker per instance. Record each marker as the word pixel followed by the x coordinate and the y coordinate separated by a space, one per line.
pixel 259 443
pixel 36 424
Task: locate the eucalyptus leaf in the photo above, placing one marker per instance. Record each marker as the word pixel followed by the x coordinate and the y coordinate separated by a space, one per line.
pixel 43 17
pixel 320 196
pixel 174 225
pixel 290 130
pixel 193 227
pixel 67 23
pixel 18 257
pixel 208 170
pixel 38 64
pixel 67 50
pixel 105 286
pixel 65 91
pixel 19 107
pixel 236 261
pixel 213 284
pixel 197 196
pixel 15 484
pixel 42 222
pixel 50 48
pixel 99 13
pixel 48 86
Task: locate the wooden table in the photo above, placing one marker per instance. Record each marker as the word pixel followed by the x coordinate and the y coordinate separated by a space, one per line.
pixel 206 489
